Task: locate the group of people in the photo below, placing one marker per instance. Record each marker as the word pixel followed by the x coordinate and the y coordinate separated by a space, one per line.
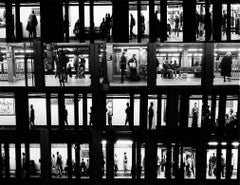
pixel 58 169
pixel 168 69
pixel 174 24
pixel 132 67
pixel 105 27
pixel 31 25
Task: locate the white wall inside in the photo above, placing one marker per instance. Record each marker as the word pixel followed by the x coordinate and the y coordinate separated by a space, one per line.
pixel 119 149
pixel 35 154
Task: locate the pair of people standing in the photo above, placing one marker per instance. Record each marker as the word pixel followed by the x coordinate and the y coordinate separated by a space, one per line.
pixel 31 25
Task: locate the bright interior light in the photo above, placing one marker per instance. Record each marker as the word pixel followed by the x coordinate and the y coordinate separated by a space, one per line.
pixel 213 143
pixel 124 142
pixel 223 143
pixel 235 144
pixel 104 142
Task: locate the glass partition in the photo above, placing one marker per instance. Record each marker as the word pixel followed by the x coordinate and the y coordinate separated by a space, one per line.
pixel 123 153
pixel 164 110
pixel 12 160
pixel 226 64
pixel 67 64
pixel 35 160
pixel 152 112
pixel 234 160
pixel 161 161
pixel 178 64
pixel 54 110
pixel 17 64
pixel 37 110
pixel 69 110
pixel 59 160
pixel 127 64
pixel 189 161
pixel 117 104
pixel 2 161
pixel 7 109
pixel 211 167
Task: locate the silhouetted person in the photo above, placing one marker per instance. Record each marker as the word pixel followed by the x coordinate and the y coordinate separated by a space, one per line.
pixel 59 162
pixel 123 63
pixel 132 24
pixel 90 117
pixel 125 163
pixel 226 66
pixel 150 115
pixel 65 116
pixel 195 116
pixel 23 163
pixel 31 25
pixel 32 117
pixel 127 111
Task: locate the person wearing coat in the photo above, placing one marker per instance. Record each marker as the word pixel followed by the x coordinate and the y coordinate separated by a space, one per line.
pixel 226 66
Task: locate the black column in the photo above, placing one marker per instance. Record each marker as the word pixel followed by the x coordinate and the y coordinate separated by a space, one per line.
pixel 27 153
pixel 110 157
pixel 207 66
pixel 19 29
pixel 228 160
pixel 9 22
pixel 159 111
pixel 163 28
pixel 152 26
pixel 228 21
pixel 18 160
pixel 48 104
pixel 82 23
pixel 66 21
pixel 45 148
pixel 189 21
pixel 69 160
pixel 184 108
pixel 77 157
pixel 150 160
pixel 151 66
pixel 61 104
pixel 221 114
pixel 96 156
pixel 208 21
pixel 217 20
pixel 172 109
pixel 51 26
pixel 92 35
pixel 143 111
pixel 201 158
pixel 7 162
pixel 139 31
pixel 22 112
pixel 120 29
pixel 213 112
pixel 38 65
pixel 76 111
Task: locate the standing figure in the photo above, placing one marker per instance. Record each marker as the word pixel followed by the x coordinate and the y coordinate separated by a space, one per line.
pixel 76 64
pixel 83 167
pixel 82 67
pixel 76 29
pixel 123 62
pixel 150 115
pixel 59 162
pixel 222 166
pixel 90 117
pixel 127 111
pixel 125 163
pixel 132 64
pixel 23 163
pixel 206 115
pixel 176 20
pixel 115 164
pixel 65 116
pixel 226 66
pixel 224 22
pixel 109 116
pixel 31 25
pixel 142 21
pixel 32 117
pixel 132 24
pixel 195 116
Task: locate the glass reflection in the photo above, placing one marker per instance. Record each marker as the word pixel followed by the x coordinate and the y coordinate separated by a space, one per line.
pixel 161 161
